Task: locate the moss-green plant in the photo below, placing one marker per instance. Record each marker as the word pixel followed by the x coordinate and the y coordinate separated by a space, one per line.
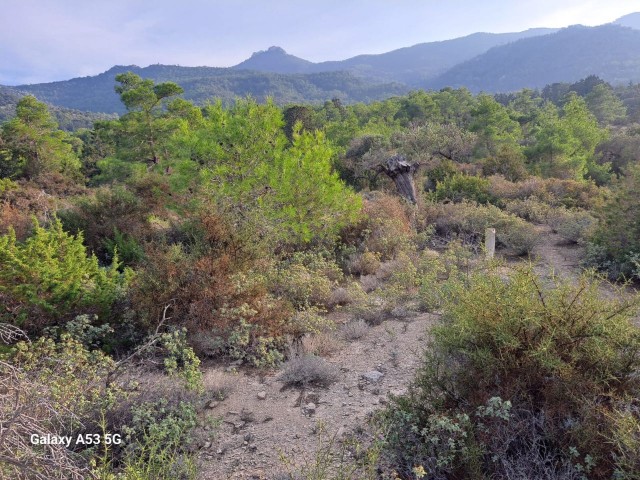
pixel 49 276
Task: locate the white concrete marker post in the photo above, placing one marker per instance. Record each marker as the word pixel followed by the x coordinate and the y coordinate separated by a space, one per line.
pixel 490 242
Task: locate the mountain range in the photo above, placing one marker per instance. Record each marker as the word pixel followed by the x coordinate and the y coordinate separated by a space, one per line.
pixel 481 62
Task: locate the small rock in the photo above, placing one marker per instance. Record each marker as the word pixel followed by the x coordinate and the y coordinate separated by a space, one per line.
pixel 248 437
pixel 310 408
pixel 213 404
pixel 374 376
pixel 262 395
pixel 312 397
pixel 207 445
pixel 267 419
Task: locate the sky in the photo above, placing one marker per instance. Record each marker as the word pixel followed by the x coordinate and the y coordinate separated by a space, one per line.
pixel 48 40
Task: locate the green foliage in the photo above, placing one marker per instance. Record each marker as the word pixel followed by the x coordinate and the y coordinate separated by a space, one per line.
pixel 49 277
pixel 565 145
pixel 180 359
pixel 34 147
pixel 617 238
pixel 459 187
pixel 309 200
pixel 553 350
pixel 72 375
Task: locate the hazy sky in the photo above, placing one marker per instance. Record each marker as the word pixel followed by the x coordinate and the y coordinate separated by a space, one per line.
pixel 47 40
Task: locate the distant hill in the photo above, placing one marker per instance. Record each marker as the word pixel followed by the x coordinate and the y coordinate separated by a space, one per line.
pixel 68 119
pixel 202 84
pixel 481 62
pixel 275 60
pixel 632 20
pixel 410 65
pixel 611 52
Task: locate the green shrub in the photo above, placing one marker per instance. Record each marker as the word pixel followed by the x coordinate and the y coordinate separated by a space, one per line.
pixel 617 238
pixel 461 187
pixel 306 279
pixel 49 277
pixel 555 351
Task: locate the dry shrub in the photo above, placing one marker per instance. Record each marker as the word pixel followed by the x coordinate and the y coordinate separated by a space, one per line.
pixel 306 370
pixel 339 297
pixel 354 330
pixel 469 221
pixel 554 191
pixel 574 226
pixel 529 209
pixel 366 263
pixel 217 302
pixel 369 283
pixel 321 344
pixel 388 224
pixel 26 409
pixel 20 203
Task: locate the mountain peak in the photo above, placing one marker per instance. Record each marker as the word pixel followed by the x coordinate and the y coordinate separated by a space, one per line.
pixel 274 50
pixel 275 59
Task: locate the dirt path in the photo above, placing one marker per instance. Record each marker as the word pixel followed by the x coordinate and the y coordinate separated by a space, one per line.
pixel 255 432
pixel 553 254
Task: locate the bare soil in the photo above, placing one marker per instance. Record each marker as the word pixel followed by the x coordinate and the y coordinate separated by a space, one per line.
pixel 254 434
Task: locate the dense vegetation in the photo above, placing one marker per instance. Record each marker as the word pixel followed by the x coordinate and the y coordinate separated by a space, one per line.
pixel 180 232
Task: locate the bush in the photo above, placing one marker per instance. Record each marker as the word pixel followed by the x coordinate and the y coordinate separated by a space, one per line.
pixel 366 263
pixel 306 279
pixel 554 351
pixel 554 191
pixel 226 309
pixel 458 187
pixel 308 370
pixel 529 209
pixel 617 238
pixel 469 221
pixel 355 330
pixel 574 226
pixel 49 278
pixel 387 227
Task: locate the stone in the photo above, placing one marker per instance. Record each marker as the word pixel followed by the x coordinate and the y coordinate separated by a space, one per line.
pixel 213 404
pixel 374 376
pixel 207 445
pixel 262 395
pixel 310 408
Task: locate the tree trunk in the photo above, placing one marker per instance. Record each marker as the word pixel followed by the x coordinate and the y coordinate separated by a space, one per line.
pixel 401 172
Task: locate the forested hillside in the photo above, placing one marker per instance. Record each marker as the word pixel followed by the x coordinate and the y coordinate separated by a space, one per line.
pixel 201 84
pixel 609 51
pixel 139 255
pixel 67 119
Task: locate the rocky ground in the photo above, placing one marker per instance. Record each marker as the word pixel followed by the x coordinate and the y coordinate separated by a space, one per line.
pixel 259 423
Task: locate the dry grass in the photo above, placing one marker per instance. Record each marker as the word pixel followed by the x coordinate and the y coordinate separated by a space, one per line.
pixel 354 330
pixel 25 411
pixel 308 370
